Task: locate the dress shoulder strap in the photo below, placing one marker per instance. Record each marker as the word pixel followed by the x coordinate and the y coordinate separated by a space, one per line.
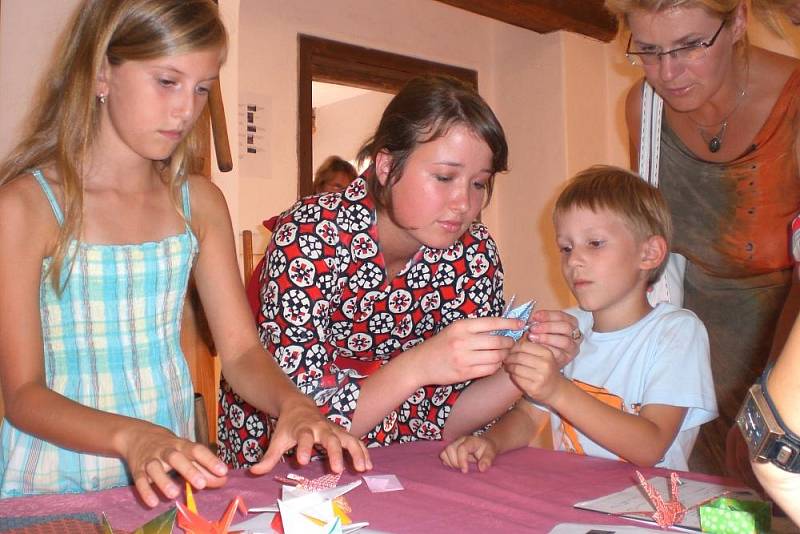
pixel 650 138
pixel 187 205
pixel 37 173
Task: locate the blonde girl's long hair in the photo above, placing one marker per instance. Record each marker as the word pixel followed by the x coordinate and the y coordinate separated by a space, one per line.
pixel 64 122
pixel 765 10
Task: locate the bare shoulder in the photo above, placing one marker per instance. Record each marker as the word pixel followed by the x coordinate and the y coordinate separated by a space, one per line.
pixel 203 190
pixel 633 102
pixel 209 208
pixel 769 71
pixel 633 110
pixel 27 215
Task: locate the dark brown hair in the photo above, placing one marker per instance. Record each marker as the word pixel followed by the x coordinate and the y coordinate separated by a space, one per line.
pixel 424 110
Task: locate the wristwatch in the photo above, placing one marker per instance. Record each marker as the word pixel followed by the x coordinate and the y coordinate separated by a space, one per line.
pixel 766 435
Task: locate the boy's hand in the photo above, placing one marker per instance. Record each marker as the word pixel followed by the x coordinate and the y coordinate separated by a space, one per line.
pixel 558 331
pixel 469 449
pixel 534 370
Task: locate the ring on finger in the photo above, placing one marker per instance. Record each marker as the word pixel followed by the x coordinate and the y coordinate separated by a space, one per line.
pixel 576 334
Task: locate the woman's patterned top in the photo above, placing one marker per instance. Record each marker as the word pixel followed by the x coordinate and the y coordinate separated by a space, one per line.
pixel 331 317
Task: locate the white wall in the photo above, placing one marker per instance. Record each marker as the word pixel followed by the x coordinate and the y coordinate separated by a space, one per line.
pixel 343 126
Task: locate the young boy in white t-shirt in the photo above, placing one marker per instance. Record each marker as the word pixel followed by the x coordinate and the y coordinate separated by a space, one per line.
pixel 641 385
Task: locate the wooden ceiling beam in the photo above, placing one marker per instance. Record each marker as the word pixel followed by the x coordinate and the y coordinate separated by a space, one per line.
pixel 587 17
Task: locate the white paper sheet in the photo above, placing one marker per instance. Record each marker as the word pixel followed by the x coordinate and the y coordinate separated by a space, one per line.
pixel 691 493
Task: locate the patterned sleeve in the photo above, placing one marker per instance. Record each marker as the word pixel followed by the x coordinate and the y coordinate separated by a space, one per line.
pixel 300 285
pixel 469 279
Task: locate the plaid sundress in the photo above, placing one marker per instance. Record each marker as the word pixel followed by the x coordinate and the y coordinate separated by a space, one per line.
pixel 111 342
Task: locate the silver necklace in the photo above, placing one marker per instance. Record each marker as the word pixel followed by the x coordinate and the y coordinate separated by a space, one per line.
pixel 715 141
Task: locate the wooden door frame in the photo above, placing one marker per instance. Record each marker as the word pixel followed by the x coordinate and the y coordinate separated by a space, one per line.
pixel 329 61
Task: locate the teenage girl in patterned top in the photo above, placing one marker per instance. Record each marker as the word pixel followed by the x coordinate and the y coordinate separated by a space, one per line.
pixel 380 301
pixel 96 388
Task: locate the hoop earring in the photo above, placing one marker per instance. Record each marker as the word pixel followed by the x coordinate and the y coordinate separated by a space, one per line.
pixel 101 98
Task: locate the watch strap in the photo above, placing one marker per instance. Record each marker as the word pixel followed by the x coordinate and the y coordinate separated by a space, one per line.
pixel 784 451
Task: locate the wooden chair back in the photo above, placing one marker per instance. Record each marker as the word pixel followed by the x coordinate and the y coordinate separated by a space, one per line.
pixel 247 255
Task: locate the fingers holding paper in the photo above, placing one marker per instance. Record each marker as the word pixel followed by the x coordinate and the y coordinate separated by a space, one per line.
pixel 534 370
pixel 558 331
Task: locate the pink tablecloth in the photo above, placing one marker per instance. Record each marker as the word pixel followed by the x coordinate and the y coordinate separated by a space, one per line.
pixel 526 490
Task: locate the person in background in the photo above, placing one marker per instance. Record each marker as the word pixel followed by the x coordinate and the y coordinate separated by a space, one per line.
pixel 729 145
pixel 102 224
pixel 641 386
pixel 380 302
pixel 334 175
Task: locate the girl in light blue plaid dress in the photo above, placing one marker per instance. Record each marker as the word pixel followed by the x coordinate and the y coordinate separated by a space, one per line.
pixel 97 392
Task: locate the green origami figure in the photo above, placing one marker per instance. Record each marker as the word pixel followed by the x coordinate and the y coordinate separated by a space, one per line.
pixel 161 524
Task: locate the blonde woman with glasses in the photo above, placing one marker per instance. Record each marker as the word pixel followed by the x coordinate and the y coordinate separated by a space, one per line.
pixel 724 152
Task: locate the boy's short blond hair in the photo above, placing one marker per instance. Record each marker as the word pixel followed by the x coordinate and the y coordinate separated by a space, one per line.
pixel 624 193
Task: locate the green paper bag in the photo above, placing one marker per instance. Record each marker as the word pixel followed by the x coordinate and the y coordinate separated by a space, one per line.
pixel 733 516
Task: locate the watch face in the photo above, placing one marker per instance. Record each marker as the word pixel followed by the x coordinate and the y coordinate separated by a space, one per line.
pixel 766 437
pixel 752 424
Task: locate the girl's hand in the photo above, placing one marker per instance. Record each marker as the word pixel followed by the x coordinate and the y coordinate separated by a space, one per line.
pixel 469 449
pixel 558 331
pixel 464 350
pixel 534 370
pixel 301 424
pixel 151 452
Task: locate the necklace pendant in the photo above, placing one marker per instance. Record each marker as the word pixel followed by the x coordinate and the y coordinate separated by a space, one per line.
pixel 715 144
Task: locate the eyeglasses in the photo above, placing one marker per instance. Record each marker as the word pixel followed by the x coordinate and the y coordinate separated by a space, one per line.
pixel 684 54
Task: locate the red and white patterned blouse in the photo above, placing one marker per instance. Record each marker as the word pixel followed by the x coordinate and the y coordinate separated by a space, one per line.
pixel 330 316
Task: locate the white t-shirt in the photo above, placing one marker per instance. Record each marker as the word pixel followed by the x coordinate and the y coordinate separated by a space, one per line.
pixel 661 359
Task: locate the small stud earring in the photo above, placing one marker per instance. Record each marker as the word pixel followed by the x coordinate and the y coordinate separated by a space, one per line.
pixel 102 98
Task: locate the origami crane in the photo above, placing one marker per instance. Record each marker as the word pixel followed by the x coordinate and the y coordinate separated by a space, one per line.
pixel 667 513
pixel 193 523
pixel 312 485
pixel 522 312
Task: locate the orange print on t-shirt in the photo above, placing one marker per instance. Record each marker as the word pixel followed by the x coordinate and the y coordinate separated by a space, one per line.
pixel 569 436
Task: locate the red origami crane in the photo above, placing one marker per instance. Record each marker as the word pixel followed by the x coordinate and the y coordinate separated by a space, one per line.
pixel 667 513
pixel 193 523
